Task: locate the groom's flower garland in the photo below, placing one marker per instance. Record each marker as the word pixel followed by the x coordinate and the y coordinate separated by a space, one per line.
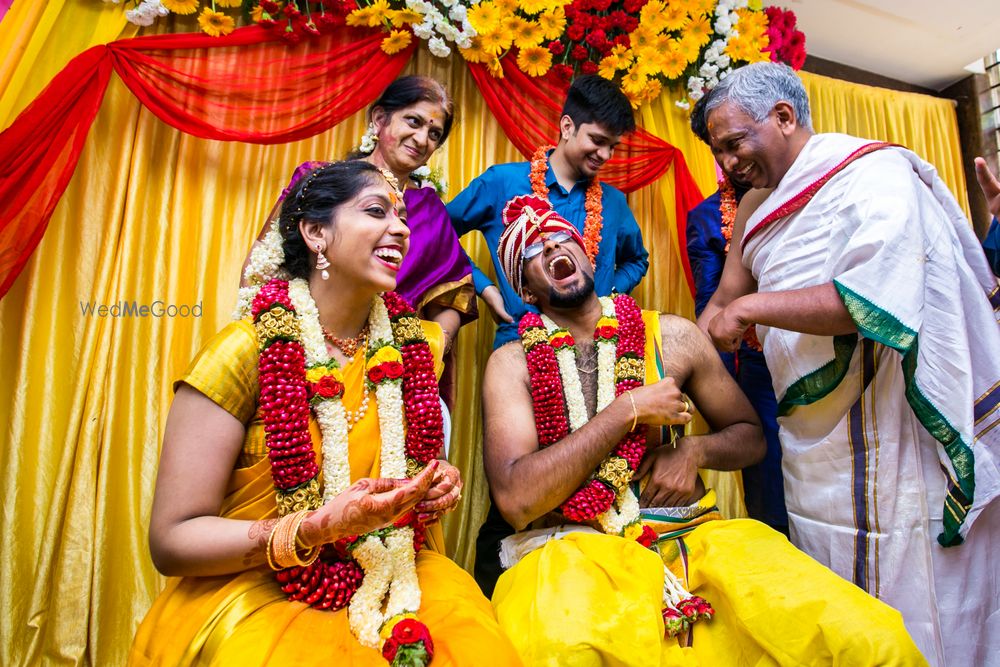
pixel 297 373
pixel 592 204
pixel 560 409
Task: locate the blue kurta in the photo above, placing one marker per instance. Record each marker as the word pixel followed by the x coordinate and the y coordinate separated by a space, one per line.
pixel 763 486
pixel 622 259
pixel 991 245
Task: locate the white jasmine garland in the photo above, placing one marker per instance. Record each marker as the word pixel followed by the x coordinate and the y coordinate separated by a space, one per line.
pixel 364 613
pixel 606 359
pixel 572 389
pixel 623 513
pixel 404 591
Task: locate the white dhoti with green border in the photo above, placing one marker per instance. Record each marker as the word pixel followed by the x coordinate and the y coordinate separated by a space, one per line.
pixel 891 438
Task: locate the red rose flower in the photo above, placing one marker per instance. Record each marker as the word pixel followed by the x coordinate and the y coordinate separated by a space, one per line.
pixel 647 538
pixel 607 332
pixel 617 18
pixel 389 649
pixel 600 5
pixel 410 631
pixel 631 23
pixel 589 67
pixel 579 52
pixel 633 6
pixel 270 6
pixel 575 32
pixel 556 47
pixel 328 387
pixel 393 370
pixel 622 40
pixel 376 374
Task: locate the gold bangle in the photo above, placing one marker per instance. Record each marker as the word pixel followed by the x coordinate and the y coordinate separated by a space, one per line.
pixel 293 538
pixel 635 413
pixel 267 552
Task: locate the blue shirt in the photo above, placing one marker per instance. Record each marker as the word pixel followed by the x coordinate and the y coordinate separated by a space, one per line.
pixel 622 259
pixel 991 245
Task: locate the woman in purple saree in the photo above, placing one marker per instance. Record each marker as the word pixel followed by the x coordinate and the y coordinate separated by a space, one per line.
pixel 408 122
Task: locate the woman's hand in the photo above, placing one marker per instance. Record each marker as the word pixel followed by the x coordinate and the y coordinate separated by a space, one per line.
pixel 491 295
pixel 444 494
pixel 367 505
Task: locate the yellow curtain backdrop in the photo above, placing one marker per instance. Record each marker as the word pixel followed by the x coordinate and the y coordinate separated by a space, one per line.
pixel 152 214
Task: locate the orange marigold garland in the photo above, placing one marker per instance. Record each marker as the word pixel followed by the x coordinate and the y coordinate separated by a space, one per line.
pixel 727 207
pixel 593 202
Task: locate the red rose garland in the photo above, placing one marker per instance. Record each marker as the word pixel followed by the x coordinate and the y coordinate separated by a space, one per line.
pixel 285 397
pixel 596 495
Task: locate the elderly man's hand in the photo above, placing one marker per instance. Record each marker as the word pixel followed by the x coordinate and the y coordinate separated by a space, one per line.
pixel 726 329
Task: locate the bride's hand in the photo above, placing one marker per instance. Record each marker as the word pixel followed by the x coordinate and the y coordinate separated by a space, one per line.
pixel 367 505
pixel 444 494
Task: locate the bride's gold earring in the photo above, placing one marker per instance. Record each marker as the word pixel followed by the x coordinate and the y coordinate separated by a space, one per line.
pixel 322 264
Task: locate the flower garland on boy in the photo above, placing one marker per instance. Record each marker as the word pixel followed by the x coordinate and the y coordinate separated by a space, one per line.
pixel 594 221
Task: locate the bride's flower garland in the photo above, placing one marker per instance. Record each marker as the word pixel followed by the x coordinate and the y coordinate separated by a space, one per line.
pixel 296 373
pixel 560 409
pixel 593 205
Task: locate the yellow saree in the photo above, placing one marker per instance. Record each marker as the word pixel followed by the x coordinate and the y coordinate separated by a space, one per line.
pixel 588 599
pixel 245 619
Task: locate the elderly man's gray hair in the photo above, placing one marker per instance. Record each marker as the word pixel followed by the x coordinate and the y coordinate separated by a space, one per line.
pixel 756 88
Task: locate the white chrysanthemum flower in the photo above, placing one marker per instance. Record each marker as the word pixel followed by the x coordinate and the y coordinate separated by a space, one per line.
pixel 424 30
pixel 438 47
pixel 695 95
pixel 696 83
pixel 723 25
pixel 464 42
pixel 458 13
pixel 708 70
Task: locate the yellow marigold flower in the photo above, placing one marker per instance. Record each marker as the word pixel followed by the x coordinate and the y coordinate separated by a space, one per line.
pixel 533 7
pixel 634 81
pixel 608 67
pixel 553 22
pixel 496 42
pixel 641 38
pixel 635 99
pixel 528 34
pixel 621 51
pixel 359 17
pixel 215 23
pixel 653 89
pixel 379 13
pixel 534 60
pixel 401 17
pixel 484 17
pixel 228 3
pixel 495 68
pixel 648 63
pixel 606 322
pixel 651 8
pixel 506 7
pixel 687 6
pixel 689 47
pixel 475 53
pixel 397 41
pixel 702 7
pixel 180 6
pixel 672 63
pixel 673 17
pixel 699 29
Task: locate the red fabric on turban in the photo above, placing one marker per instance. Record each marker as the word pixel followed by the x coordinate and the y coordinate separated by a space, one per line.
pixel 526 218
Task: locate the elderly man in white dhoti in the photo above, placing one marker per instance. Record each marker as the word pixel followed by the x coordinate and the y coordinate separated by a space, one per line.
pixel 878 315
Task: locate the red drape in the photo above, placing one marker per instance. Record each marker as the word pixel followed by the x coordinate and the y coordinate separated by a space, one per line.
pixel 529 108
pixel 272 93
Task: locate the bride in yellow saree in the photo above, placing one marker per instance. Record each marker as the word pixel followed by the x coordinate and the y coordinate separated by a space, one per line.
pixel 281 476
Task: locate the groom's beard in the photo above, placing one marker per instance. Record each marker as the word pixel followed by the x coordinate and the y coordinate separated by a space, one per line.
pixel 574 297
